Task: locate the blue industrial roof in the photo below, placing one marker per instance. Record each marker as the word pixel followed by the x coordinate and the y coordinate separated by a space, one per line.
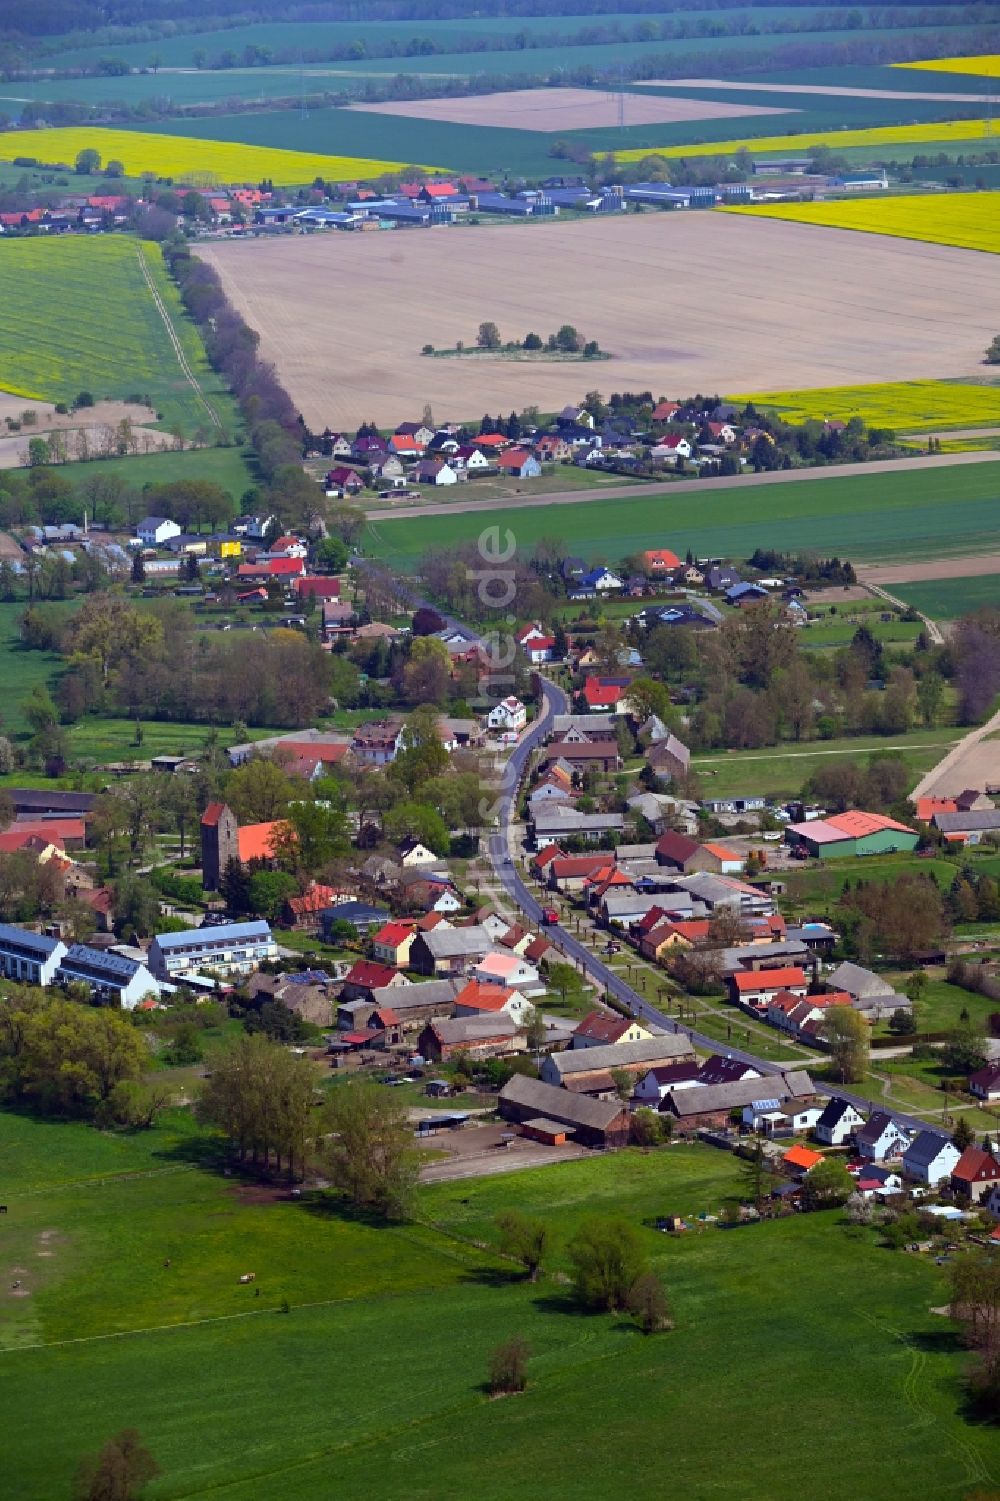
pixel 236 932
pixel 25 939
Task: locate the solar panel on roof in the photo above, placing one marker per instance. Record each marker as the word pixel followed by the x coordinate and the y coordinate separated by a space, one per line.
pixel 766 1105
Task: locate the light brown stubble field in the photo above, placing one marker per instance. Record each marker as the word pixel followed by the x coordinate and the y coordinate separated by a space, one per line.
pixel 685 302
pixel 564 109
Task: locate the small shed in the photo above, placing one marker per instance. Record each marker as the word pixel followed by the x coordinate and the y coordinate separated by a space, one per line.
pixel 551 1133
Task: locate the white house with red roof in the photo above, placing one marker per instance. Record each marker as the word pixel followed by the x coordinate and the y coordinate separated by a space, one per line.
pixel 538 646
pixel 755 989
pixel 606 695
pixel 510 970
pixel 507 718
pixel 480 998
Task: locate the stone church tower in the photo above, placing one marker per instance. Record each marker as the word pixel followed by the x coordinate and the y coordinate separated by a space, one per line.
pixel 220 843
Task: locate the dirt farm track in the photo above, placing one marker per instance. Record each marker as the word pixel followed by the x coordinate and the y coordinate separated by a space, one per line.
pixel 685 302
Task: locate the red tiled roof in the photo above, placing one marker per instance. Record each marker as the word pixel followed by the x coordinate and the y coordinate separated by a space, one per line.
pixel 27 837
pixel 256 840
pixel 315 899
pixel 394 932
pixel 212 814
pixel 661 557
pixel 370 974
pixel 483 997
pixel 315 750
pixel 317 588
pixel 56 831
pixel 598 1026
pixel 747 981
pixel 596 692
pixel 975 1166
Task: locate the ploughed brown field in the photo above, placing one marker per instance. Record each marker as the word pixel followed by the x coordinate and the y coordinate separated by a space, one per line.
pixel 685 302
pixel 564 109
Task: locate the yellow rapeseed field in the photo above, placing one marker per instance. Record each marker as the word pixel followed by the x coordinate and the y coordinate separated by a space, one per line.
pixel 908 406
pixel 203 162
pixel 986 65
pixel 947 132
pixel 968 220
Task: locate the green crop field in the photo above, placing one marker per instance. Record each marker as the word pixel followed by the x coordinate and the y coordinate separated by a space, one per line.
pixel 370 1383
pixel 78 315
pixel 946 599
pixel 782 771
pixel 910 514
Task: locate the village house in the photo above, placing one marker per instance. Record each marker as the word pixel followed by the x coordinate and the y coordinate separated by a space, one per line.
pixel 449 951
pixel 711 1105
pixel 153 531
pixel 507 718
pixel 881 1138
pixel 838 1123
pixel 480 997
pixel 368 975
pixel 930 1158
pixel 755 989
pixel 975 1173
pixel 378 742
pixel 603 1028
pixel 391 944
pixel 985 1082
pixel 508 969
pixel 519 463
pixel 340 481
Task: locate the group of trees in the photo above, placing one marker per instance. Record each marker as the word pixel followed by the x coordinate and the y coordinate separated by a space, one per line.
pixel 65 1058
pixel 610 1272
pixel 263 1099
pixel 566 340
pixel 903 917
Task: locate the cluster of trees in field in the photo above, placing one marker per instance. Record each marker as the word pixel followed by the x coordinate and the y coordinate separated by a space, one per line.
pixel 63 1057
pixel 566 340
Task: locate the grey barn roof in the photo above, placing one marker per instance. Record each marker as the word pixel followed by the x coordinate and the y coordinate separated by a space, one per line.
pixel 448 943
pixel 559 1105
pixel 473 1029
pixel 648 1050
pixel 857 980
pixel 403 998
pixel 959 823
pixel 708 1097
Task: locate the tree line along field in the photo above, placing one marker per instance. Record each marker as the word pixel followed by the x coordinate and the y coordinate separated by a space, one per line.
pixel 919 513
pixel 78 315
pixel 382 1353
pixel 201 160
pixel 182 51
pixel 905 406
pixel 970 221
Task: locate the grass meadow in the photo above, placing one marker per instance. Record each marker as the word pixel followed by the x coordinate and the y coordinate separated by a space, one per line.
pixel 371 1382
pixel 77 315
pixel 919 513
pixel 783 771
pixel 970 221
pixel 227 467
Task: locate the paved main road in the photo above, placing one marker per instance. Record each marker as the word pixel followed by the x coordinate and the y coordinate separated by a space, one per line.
pixel 659 490
pixel 554 701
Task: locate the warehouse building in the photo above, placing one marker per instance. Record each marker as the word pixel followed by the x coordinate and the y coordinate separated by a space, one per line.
pixel 842 835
